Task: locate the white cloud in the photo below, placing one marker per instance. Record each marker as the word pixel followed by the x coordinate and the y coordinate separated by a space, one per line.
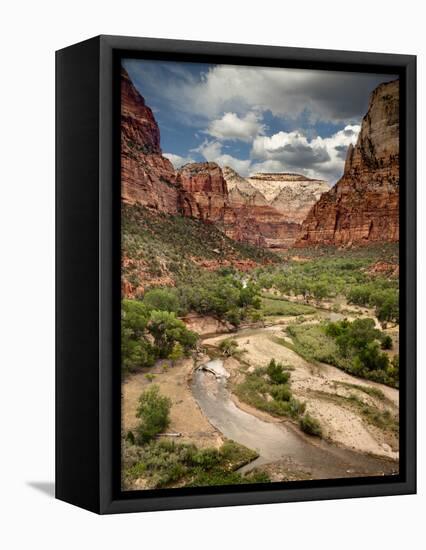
pixel 293 151
pixel 212 152
pixel 177 160
pixel 320 95
pixel 231 126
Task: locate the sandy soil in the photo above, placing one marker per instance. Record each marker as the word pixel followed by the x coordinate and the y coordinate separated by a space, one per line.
pixel 186 416
pixel 205 324
pixel 319 386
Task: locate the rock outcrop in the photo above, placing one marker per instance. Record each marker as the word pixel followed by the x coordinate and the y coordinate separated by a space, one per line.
pixel 146 176
pixel 204 194
pixel 363 206
pixel 274 203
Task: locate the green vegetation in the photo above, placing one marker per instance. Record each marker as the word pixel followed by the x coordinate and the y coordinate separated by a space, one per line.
pixel 276 373
pixel 229 348
pixel 221 294
pixel 170 246
pixel 310 425
pixel 331 274
pixel 353 347
pixel 167 330
pixel 377 294
pixel 148 335
pixel 154 414
pixel 387 342
pixel 277 306
pixel 163 463
pixel 372 392
pixel 162 299
pixel 136 350
pixel 382 419
pixel 268 389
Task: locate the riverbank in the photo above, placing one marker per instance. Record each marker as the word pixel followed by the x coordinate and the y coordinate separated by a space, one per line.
pixel 326 390
pixel 205 412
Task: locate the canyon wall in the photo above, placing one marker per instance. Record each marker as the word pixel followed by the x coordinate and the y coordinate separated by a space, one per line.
pixel 204 194
pixel 146 176
pixel 276 203
pixel 363 206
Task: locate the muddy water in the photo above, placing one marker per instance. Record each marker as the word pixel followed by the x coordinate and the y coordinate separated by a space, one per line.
pixel 276 441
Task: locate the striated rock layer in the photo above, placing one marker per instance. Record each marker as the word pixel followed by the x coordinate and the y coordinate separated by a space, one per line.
pixel 204 194
pixel 264 210
pixel 146 176
pixel 363 206
pixel 276 203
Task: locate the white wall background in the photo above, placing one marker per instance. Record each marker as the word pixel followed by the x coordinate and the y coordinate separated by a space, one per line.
pixel 30 32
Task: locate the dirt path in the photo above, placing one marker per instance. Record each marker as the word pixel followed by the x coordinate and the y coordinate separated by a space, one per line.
pixel 324 389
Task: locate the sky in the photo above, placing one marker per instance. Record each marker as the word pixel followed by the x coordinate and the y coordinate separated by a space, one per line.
pixel 255 119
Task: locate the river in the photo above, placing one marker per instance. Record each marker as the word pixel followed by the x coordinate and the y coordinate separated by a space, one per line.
pixel 277 441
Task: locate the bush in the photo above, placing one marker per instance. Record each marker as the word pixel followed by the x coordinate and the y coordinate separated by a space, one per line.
pixel 162 299
pixel 281 392
pixel 229 347
pixel 153 410
pixel 310 425
pixel 276 373
pixel 387 342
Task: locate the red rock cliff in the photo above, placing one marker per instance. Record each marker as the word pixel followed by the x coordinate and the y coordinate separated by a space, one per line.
pixel 204 192
pixel 273 204
pixel 146 176
pixel 363 206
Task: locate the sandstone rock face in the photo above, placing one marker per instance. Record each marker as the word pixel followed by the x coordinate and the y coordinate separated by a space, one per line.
pixel 273 204
pixel 295 186
pixel 146 176
pixel 363 206
pixel 204 192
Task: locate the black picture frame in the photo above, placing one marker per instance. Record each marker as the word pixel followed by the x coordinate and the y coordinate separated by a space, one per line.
pixel 88 274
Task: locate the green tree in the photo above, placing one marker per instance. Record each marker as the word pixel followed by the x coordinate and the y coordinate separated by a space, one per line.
pixel 162 299
pixel 177 353
pixel 166 330
pixel 136 350
pixel 154 414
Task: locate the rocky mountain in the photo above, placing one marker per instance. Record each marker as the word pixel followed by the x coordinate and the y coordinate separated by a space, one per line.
pixel 296 185
pixel 277 203
pixel 147 177
pixel 363 206
pixel 204 194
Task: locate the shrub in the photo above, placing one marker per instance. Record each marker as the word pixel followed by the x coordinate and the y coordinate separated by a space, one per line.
pixel 153 410
pixel 276 373
pixel 310 425
pixel 387 342
pixel 281 392
pixel 229 347
pixel 162 299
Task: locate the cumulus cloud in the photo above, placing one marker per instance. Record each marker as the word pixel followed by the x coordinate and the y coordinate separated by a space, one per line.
pixel 212 152
pixel 318 157
pixel 231 126
pixel 322 95
pixel 177 160
pixel 231 105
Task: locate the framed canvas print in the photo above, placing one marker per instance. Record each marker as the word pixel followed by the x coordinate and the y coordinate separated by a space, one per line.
pixel 235 274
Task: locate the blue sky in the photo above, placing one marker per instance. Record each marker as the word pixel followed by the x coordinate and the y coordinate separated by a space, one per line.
pixel 255 118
